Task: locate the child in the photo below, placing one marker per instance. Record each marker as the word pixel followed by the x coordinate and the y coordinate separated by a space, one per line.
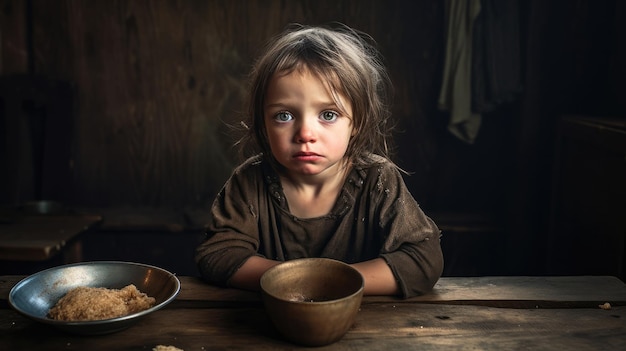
pixel 322 184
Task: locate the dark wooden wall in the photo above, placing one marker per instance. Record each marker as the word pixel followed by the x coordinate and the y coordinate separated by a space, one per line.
pixel 158 81
pixel 156 84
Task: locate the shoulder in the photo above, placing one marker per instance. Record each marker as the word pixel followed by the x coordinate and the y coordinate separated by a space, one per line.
pixel 254 166
pixel 381 176
pixel 255 170
pixel 252 163
pixel 376 173
pixel 248 172
pixel 377 166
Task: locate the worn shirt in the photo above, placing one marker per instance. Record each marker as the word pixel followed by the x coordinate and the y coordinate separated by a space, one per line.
pixel 374 216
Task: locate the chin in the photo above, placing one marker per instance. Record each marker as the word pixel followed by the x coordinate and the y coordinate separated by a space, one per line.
pixel 307 170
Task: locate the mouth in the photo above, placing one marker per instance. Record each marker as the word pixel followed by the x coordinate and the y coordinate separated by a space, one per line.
pixel 306 156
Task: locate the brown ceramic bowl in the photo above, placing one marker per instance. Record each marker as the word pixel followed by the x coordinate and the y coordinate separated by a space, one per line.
pixel 312 301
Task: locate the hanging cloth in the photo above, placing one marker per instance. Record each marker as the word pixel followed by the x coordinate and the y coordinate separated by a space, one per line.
pixel 456 90
pixel 496 55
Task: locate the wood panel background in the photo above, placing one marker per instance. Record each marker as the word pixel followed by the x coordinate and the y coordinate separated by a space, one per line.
pixel 157 84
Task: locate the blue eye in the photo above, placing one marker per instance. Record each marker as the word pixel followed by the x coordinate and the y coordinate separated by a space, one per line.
pixel 329 116
pixel 283 117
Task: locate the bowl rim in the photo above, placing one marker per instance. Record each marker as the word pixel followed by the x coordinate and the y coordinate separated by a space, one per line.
pixel 135 315
pixel 359 291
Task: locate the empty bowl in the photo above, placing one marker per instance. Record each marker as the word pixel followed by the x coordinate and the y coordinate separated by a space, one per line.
pixel 312 301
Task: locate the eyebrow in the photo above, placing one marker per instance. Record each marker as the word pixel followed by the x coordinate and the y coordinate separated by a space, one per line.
pixel 324 105
pixel 273 105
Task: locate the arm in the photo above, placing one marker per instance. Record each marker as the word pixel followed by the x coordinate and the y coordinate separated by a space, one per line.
pixel 376 273
pixel 232 231
pixel 379 279
pixel 411 247
pixel 249 274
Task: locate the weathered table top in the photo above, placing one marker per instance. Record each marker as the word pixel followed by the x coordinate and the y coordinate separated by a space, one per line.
pixel 39 237
pixel 485 313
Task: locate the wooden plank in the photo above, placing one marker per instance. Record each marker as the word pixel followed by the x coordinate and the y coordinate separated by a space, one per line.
pixel 609 133
pixel 385 326
pixel 514 292
pixel 34 238
pixel 524 288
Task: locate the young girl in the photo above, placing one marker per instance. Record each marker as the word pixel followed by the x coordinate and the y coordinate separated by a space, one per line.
pixel 321 184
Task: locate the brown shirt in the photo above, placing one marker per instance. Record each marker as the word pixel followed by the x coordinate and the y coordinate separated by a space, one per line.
pixel 374 216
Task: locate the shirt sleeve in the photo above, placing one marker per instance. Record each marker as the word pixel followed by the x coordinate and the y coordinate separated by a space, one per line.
pixel 411 246
pixel 232 232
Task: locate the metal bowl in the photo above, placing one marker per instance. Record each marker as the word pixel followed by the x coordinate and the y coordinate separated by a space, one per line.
pixel 35 295
pixel 312 301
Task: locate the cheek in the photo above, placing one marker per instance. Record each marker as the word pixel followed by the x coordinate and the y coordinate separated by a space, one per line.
pixel 276 138
pixel 341 142
pixel 352 132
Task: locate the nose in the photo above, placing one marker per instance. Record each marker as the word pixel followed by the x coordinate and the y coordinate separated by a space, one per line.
pixel 305 132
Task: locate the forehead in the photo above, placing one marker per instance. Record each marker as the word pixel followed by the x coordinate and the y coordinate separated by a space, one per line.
pixel 297 78
pixel 326 83
pixel 319 70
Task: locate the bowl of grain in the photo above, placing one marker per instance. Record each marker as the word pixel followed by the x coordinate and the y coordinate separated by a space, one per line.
pixel 312 301
pixel 93 298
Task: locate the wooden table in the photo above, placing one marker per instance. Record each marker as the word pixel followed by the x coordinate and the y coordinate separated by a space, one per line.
pixel 40 237
pixel 486 313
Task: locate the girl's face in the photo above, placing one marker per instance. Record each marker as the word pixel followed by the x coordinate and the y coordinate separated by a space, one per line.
pixel 307 131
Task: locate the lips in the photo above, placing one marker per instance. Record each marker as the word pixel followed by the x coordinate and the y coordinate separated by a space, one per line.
pixel 306 156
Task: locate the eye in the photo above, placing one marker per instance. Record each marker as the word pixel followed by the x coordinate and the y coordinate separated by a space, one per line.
pixel 329 116
pixel 283 117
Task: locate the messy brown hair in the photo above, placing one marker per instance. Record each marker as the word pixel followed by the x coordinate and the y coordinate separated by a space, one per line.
pixel 345 59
